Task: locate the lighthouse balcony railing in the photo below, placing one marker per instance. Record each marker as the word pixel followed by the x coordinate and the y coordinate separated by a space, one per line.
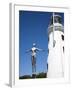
pixel 57 28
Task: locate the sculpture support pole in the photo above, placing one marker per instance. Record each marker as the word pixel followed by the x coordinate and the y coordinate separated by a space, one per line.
pixel 34 66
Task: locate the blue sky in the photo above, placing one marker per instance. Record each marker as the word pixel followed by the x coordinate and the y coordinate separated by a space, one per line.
pixel 33 29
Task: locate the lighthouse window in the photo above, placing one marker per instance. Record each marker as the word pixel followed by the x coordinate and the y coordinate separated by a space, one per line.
pixel 63 48
pixel 62 37
pixel 48 50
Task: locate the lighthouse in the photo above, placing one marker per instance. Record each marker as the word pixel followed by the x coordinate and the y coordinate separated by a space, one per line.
pixel 55 58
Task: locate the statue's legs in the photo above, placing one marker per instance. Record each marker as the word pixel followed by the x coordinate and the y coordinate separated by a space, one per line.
pixel 33 64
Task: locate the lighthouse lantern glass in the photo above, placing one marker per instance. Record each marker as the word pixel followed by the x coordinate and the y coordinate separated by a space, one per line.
pixel 57 19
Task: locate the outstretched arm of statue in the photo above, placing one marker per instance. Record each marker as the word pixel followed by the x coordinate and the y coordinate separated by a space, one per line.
pixel 28 50
pixel 42 50
pixel 38 49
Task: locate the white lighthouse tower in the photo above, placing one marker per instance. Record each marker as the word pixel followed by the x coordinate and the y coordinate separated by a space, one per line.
pixel 56 47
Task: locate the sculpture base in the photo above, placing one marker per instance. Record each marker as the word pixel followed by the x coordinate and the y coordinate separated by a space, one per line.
pixel 33 75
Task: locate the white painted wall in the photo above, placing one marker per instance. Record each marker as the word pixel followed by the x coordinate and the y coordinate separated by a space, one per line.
pixel 55 57
pixel 56 54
